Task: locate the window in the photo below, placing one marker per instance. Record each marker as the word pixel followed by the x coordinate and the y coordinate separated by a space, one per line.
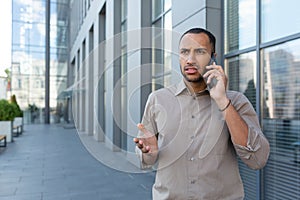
pixel 281 119
pixel 279 19
pixel 242 75
pixel 240 24
pixel 161 59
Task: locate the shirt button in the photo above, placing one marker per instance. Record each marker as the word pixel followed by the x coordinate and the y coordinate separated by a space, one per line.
pixel 192 137
pixel 193 116
pixel 193 181
pixel 192 159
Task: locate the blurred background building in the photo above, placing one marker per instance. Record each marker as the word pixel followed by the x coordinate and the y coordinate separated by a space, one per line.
pixel 40 57
pixel 94 63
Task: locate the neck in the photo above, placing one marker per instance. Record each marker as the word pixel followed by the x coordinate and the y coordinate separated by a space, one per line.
pixel 195 87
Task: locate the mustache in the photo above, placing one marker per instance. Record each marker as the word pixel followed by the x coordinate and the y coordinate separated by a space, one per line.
pixel 191 66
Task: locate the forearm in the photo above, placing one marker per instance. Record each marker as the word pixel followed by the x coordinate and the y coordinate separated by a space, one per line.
pixel 237 126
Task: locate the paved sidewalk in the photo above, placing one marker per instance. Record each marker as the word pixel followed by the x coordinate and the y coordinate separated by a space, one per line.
pixel 49 162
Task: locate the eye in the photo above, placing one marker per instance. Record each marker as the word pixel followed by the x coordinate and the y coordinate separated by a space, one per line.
pixel 200 51
pixel 184 51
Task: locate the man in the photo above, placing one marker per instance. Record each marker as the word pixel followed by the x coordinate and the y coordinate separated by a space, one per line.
pixel 193 131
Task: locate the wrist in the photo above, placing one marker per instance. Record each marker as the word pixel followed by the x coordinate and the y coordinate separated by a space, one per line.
pixel 227 105
pixel 222 102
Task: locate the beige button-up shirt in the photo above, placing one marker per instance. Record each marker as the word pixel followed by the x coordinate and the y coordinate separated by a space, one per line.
pixel 197 159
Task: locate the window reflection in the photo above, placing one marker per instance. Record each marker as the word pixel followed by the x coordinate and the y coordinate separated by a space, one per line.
pixel 279 19
pixel 242 75
pixel 281 70
pixel 240 24
pixel 28 57
pixel 281 121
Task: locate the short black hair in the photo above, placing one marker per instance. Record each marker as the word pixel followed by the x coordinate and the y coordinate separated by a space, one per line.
pixel 212 38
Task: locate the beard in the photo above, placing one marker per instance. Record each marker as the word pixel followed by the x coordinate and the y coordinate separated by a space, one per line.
pixel 197 79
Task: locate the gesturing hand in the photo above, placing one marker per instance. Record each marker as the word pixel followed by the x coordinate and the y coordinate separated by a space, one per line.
pixel 147 142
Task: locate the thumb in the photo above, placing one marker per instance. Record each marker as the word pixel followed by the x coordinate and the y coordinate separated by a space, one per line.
pixel 142 128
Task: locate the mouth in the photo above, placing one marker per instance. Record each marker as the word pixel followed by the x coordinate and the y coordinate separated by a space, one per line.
pixel 191 69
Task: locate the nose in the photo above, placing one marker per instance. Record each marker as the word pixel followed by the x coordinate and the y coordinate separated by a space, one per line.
pixel 190 59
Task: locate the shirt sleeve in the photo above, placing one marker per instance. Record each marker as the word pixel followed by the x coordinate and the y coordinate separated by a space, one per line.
pixel 256 153
pixel 143 165
pixel 148 121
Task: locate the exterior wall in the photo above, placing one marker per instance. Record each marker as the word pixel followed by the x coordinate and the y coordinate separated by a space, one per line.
pixel 205 13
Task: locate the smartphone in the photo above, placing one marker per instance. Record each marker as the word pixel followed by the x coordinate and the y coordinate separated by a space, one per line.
pixel 214 81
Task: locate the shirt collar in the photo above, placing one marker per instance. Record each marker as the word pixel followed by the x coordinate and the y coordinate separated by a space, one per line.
pixel 181 87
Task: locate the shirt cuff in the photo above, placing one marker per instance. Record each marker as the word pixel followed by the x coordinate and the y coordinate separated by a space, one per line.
pixel 252 145
pixel 139 154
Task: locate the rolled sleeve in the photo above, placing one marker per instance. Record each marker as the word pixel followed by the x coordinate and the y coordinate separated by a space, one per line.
pixel 256 153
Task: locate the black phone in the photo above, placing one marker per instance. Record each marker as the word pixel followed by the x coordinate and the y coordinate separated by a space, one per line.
pixel 214 81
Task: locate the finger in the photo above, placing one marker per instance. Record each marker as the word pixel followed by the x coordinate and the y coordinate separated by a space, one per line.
pixel 140 144
pixel 214 66
pixel 210 73
pixel 142 128
pixel 136 140
pixel 145 149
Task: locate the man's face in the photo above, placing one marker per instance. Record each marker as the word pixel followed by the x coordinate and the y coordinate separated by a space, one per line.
pixel 194 55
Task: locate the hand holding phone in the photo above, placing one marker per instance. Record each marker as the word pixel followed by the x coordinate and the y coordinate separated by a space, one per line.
pixel 213 81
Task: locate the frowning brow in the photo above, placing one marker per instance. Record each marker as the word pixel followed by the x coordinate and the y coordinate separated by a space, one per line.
pixel 196 50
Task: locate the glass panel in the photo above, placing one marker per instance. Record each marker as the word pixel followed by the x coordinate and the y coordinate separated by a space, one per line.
pixel 240 24
pixel 242 77
pixel 279 19
pixel 167 48
pixel 281 119
pixel 124 10
pixel 156 9
pixel 167 5
pixel 28 11
pixel 26 35
pixel 157 56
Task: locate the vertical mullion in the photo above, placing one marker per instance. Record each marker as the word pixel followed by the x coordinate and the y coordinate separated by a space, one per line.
pixel 259 96
pixel 47 64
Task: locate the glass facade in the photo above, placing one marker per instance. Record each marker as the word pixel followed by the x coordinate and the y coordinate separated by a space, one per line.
pixel 29 55
pixel 264 64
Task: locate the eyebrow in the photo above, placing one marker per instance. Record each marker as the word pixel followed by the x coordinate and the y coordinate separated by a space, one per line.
pixel 194 49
